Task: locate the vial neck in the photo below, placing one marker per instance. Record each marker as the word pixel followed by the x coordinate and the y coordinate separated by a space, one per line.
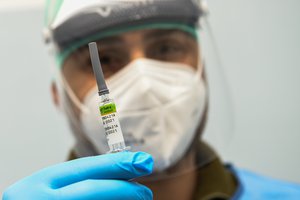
pixel 104 97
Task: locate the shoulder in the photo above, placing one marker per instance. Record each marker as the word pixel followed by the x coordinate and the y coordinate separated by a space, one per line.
pixel 255 186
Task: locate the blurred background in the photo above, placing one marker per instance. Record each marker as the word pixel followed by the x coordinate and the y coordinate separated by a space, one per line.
pixel 259 46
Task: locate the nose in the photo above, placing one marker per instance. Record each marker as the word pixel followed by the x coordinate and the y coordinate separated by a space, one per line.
pixel 136 52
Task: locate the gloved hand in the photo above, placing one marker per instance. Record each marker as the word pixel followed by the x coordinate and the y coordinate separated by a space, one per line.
pixel 100 177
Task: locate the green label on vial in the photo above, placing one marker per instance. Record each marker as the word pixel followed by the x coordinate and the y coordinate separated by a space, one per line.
pixel 107 109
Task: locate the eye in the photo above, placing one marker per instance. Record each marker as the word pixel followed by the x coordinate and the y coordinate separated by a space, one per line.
pixel 108 60
pixel 112 61
pixel 166 50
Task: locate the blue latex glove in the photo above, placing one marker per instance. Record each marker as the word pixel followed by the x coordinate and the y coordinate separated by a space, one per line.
pixel 100 177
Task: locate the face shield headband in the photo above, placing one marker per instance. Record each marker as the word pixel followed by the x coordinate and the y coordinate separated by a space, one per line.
pixel 76 23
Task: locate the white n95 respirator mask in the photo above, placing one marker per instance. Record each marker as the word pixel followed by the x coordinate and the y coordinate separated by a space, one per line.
pixel 159 105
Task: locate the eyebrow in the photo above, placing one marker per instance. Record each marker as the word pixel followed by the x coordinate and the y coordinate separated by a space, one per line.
pixel 114 40
pixel 160 33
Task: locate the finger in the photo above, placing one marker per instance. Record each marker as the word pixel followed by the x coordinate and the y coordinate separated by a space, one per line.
pixel 104 190
pixel 123 165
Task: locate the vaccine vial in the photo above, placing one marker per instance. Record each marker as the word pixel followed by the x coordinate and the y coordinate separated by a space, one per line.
pixel 111 124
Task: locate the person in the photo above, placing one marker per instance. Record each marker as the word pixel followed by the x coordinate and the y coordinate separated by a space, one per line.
pixel 153 66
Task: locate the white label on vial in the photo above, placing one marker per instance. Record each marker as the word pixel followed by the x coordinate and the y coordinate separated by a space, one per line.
pixel 112 127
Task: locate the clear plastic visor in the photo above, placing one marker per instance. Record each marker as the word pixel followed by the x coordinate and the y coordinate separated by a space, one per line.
pixel 172 47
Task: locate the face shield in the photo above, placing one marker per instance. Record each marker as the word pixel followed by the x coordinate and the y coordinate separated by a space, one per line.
pixel 153 64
